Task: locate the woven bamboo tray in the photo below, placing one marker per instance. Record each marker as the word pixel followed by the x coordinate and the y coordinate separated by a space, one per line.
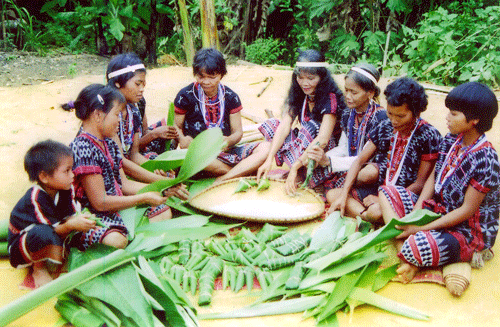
pixel 272 205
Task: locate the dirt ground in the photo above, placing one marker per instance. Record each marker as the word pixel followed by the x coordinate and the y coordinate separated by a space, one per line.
pixel 30 113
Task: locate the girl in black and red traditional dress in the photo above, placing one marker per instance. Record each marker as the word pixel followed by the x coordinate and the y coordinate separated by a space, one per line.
pixel 412 147
pixel 463 187
pixel 207 103
pixel 100 181
pixel 316 102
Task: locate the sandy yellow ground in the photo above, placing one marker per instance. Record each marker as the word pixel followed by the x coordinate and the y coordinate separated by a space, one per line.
pixel 31 113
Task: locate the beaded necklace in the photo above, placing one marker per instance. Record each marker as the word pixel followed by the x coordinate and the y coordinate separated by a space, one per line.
pixel 356 136
pixel 398 151
pixel 454 158
pixel 217 105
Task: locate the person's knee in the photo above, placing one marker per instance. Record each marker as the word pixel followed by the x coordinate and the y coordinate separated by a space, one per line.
pixel 367 175
pixel 115 239
pixel 167 214
pixel 373 214
pixel 333 194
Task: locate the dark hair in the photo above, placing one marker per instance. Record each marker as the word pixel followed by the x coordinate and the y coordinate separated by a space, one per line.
pixel 94 97
pixel 406 90
pixel 326 85
pixel 475 101
pixel 364 82
pixel 122 61
pixel 44 156
pixel 209 60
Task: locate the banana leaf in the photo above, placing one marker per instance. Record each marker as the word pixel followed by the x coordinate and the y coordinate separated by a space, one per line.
pixel 268 309
pixel 372 298
pixel 4 249
pixel 201 152
pixel 95 306
pixel 336 300
pixel 77 315
pixel 343 268
pixel 4 229
pixel 169 302
pixel 166 161
pixel 109 287
pixel 180 205
pixel 170 122
pixel 133 217
pixel 418 217
pixel 84 271
pixel 199 185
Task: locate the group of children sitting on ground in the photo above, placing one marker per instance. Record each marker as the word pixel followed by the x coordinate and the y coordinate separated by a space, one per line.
pixel 371 162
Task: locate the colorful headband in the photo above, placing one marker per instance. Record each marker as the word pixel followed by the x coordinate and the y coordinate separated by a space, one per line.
pixel 365 74
pixel 128 69
pixel 311 64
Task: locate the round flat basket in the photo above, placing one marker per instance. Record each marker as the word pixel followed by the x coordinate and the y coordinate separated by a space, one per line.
pixel 272 205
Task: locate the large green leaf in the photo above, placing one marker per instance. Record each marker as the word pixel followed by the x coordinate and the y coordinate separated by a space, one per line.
pixel 201 152
pixel 418 217
pixel 166 161
pixel 168 301
pixel 200 185
pixel 110 289
pixel 132 217
pixel 61 285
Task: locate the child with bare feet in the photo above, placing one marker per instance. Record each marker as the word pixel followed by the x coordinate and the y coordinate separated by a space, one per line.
pixel 47 213
pixel 463 187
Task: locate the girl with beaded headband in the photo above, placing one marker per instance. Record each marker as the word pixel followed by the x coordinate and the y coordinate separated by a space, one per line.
pixel 127 73
pixel 464 187
pixel 361 92
pixel 100 182
pixel 410 145
pixel 316 102
pixel 207 103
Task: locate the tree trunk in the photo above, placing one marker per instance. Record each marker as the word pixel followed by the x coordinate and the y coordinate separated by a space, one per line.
pixel 151 39
pixel 186 32
pixel 210 38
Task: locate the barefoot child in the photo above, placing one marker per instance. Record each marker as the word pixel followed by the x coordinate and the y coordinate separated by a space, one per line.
pixel 411 145
pixel 315 100
pixel 464 188
pixel 364 116
pixel 207 103
pixel 100 182
pixel 47 213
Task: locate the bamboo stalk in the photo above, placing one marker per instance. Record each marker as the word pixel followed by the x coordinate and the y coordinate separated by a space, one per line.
pixel 186 32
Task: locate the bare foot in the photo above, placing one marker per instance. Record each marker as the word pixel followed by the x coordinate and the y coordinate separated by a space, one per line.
pixel 41 275
pixel 405 273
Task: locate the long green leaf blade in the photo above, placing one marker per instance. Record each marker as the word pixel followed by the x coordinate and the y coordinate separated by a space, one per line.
pixel 61 285
pixel 372 298
pixel 270 308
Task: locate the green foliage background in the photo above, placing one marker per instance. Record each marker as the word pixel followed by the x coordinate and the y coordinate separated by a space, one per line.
pixel 441 41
